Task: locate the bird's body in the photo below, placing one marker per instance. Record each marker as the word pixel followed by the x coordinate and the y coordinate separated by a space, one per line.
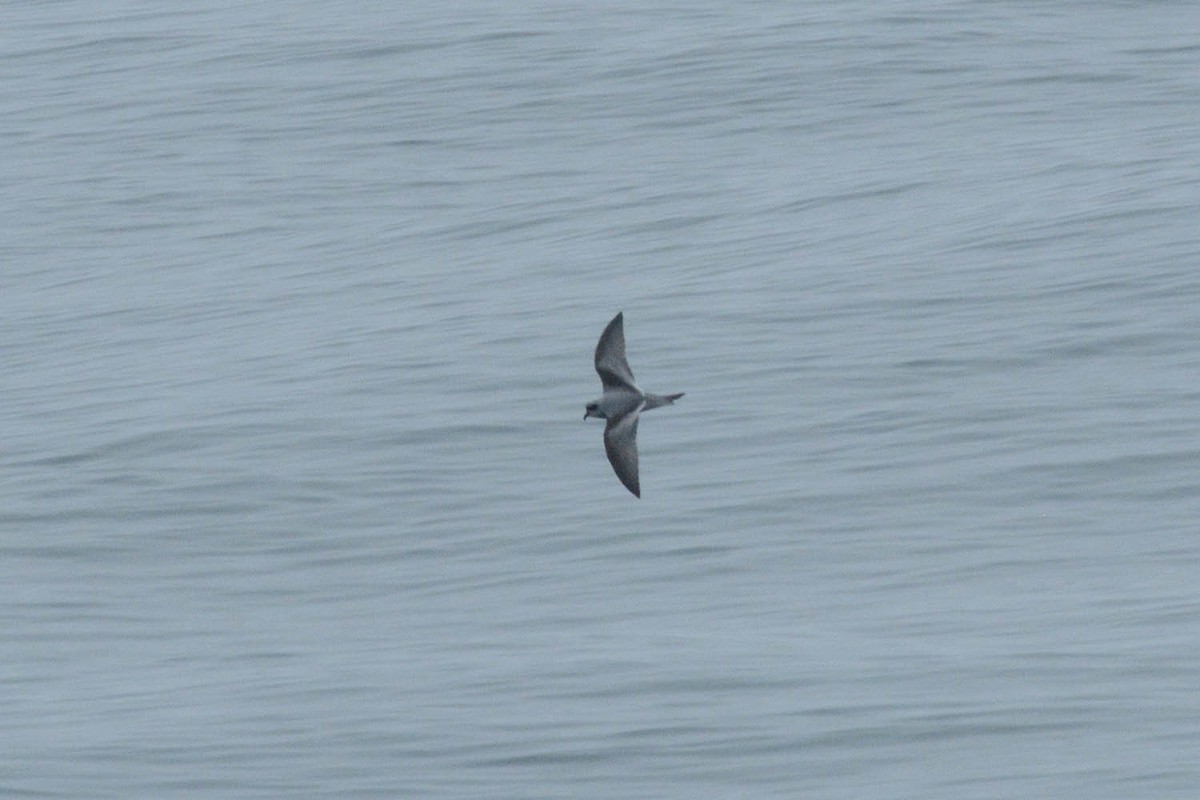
pixel 621 404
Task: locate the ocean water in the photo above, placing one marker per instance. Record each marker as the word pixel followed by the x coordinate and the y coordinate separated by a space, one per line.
pixel 297 310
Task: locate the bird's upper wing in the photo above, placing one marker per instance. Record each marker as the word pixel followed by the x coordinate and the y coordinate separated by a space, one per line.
pixel 611 365
pixel 620 443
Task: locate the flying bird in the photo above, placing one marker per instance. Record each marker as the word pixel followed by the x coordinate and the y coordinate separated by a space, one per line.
pixel 621 404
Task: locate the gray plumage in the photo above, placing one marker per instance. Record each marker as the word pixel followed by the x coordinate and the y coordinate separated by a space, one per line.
pixel 621 404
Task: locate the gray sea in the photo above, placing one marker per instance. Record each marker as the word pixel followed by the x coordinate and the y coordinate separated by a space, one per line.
pixel 297 310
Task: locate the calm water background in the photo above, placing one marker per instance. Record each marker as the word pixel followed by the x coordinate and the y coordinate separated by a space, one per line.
pixel 297 309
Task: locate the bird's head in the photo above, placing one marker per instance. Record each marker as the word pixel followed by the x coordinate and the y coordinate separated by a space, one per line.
pixel 592 410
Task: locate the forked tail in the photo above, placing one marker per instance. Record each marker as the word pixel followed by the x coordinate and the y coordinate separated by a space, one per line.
pixel 656 400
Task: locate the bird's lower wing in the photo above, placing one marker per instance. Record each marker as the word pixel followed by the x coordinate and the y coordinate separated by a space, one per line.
pixel 620 443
